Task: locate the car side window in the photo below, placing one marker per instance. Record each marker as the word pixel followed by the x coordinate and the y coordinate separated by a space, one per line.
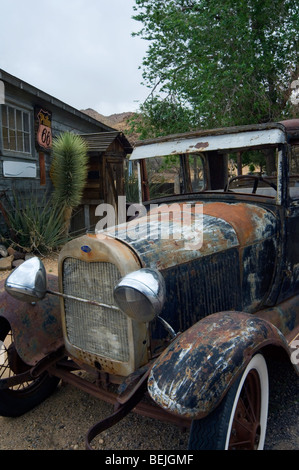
pixel 253 171
pixel 197 172
pixel 294 174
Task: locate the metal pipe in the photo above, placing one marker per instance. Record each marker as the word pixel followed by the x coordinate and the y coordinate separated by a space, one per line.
pixel 79 299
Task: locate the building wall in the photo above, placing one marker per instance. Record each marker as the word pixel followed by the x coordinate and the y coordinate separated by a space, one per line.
pixel 20 98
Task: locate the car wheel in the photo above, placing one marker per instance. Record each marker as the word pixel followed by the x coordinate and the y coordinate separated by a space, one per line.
pixel 18 399
pixel 240 421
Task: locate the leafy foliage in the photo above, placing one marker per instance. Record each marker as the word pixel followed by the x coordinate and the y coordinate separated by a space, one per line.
pixel 213 64
pixel 161 117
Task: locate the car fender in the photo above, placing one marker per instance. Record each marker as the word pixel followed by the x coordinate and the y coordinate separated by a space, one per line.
pixel 36 328
pixel 192 375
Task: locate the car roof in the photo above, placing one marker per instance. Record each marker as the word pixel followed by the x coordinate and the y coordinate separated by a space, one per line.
pixel 230 138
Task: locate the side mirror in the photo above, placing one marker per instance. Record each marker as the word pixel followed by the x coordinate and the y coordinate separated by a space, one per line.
pixel 28 282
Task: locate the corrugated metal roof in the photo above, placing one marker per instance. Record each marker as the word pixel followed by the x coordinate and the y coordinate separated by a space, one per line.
pixel 100 141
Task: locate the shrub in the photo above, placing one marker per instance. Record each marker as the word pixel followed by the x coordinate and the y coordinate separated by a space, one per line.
pixel 36 224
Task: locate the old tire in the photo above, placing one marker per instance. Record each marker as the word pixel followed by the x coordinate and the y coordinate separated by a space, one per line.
pixel 240 421
pixel 19 399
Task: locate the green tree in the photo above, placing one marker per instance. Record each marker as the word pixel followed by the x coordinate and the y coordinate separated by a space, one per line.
pixel 212 64
pixel 68 172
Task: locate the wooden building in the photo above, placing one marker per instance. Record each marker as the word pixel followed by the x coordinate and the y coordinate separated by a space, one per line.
pixel 107 154
pixel 29 120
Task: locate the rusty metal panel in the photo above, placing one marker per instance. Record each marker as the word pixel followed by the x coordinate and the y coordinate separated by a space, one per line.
pixel 284 316
pixel 197 143
pixel 258 267
pixel 200 288
pixel 251 222
pixel 80 269
pixel 224 226
pixel 192 375
pixel 36 328
pixel 148 236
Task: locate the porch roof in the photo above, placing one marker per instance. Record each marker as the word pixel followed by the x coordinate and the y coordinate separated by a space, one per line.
pixel 101 141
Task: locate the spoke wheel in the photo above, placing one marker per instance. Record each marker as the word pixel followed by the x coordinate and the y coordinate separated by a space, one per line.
pixel 11 364
pixel 20 398
pixel 246 427
pixel 240 421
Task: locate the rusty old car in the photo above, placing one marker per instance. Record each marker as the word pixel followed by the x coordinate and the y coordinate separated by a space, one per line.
pixel 177 309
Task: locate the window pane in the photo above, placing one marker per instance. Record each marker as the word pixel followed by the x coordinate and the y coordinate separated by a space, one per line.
pixel 26 143
pixel 164 176
pixel 16 129
pixel 294 166
pixel 5 138
pixel 11 115
pixel 12 139
pixel 26 122
pixel 196 172
pixel 4 116
pixel 294 173
pixel 19 141
pixel 19 120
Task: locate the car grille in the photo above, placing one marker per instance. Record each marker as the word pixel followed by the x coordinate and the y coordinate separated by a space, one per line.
pixel 207 285
pixel 102 331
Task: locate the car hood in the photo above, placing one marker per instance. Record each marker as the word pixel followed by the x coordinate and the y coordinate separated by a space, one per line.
pixel 176 234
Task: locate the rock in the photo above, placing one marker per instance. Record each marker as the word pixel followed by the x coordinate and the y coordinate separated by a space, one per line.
pixel 11 250
pixel 16 254
pixel 3 251
pixel 29 255
pixel 17 262
pixel 19 255
pixel 6 263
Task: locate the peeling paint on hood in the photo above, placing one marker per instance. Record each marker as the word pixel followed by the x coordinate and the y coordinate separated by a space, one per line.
pixel 222 226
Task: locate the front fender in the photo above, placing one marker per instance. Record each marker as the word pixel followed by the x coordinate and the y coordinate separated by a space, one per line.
pixel 37 329
pixel 192 375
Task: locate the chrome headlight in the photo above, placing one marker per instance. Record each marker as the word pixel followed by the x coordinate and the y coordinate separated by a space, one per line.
pixel 28 282
pixel 141 294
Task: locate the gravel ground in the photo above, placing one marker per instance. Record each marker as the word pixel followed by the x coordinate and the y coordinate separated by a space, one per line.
pixel 61 422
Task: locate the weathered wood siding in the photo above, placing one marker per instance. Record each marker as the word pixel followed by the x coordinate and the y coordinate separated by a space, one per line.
pixel 23 96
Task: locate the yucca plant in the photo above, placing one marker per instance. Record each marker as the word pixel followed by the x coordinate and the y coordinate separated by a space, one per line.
pixel 36 223
pixel 68 172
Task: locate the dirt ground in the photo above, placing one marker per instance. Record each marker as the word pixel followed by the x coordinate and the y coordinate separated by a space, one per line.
pixel 61 422
pixel 50 263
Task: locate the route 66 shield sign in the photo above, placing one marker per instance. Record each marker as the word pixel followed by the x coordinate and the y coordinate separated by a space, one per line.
pixel 43 120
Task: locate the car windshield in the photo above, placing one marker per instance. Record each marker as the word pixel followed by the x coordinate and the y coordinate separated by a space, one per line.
pixel 248 160
pixel 175 174
pixel 249 171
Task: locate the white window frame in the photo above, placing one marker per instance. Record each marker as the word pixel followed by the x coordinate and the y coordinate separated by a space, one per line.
pixel 15 130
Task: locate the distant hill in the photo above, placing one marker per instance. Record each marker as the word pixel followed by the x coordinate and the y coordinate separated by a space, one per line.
pixel 117 121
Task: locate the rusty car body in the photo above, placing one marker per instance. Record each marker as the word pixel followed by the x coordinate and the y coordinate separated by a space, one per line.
pixel 186 302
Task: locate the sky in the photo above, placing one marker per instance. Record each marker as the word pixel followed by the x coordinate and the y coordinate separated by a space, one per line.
pixel 80 51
